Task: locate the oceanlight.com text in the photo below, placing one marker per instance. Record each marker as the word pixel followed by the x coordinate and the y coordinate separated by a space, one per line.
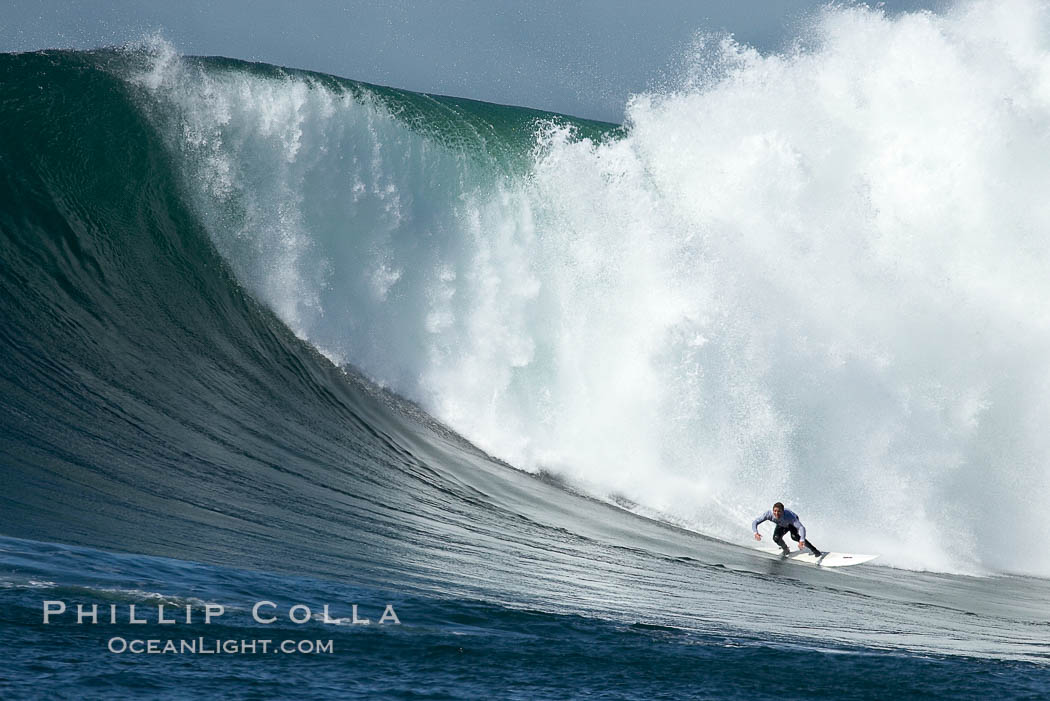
pixel 216 646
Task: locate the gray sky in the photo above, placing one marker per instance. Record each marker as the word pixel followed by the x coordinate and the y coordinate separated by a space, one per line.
pixel 582 58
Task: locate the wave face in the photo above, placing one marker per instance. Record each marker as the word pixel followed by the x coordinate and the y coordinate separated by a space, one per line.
pixel 817 276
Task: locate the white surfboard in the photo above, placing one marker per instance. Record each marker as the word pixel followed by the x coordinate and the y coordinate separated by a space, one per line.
pixel 827 559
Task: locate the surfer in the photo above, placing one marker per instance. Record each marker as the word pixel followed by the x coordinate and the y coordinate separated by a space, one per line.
pixel 787 522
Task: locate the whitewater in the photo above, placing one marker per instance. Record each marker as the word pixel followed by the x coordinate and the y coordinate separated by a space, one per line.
pixel 815 276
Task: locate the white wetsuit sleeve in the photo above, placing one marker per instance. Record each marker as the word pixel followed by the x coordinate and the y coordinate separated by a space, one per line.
pixel 768 516
pixel 801 529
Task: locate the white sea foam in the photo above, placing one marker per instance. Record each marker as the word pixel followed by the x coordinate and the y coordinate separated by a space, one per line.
pixel 818 277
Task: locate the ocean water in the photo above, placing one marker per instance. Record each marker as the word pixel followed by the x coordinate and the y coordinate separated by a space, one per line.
pixel 521 381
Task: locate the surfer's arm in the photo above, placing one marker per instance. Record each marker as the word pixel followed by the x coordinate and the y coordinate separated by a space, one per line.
pixel 801 530
pixel 768 516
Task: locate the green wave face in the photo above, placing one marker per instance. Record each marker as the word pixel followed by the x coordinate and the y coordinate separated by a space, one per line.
pixel 150 402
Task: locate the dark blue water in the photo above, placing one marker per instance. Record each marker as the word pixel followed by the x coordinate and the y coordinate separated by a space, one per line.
pixel 439 646
pixel 164 438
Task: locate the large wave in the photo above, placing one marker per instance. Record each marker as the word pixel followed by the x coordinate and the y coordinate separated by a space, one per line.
pixel 816 276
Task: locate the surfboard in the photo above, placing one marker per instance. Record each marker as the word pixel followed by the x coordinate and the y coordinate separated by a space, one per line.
pixel 827 559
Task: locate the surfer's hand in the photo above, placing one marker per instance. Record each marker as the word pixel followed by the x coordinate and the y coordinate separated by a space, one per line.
pixel 758 536
pixel 801 544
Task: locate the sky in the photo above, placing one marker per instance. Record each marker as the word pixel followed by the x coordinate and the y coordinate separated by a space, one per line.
pixel 583 58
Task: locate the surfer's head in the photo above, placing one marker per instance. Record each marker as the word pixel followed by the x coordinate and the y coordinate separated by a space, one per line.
pixel 778 510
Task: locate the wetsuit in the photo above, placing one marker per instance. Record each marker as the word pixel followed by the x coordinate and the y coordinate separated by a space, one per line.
pixel 787 523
